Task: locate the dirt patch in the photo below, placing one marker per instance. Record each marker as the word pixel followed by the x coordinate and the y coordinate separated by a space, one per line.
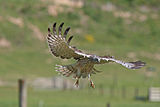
pixel 122 14
pixel 144 9
pixel 7 83
pixel 131 55
pixel 84 18
pixel 130 16
pixel 70 3
pixel 4 43
pixel 55 9
pixel 58 5
pixel 127 15
pixel 150 74
pixel 155 56
pixel 142 18
pixel 18 21
pixel 108 7
pixel 1 83
pixel 37 33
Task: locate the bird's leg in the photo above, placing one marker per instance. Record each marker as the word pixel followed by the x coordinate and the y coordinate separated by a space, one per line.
pixel 91 82
pixel 77 82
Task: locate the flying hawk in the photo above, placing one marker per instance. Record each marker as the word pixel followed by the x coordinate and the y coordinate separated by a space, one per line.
pixel 84 67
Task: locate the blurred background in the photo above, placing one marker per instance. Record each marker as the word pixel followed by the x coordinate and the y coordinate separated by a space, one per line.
pixel 126 29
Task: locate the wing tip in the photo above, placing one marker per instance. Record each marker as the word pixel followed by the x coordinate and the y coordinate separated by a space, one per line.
pixel 54 25
pixel 49 30
pixel 137 64
pixel 61 25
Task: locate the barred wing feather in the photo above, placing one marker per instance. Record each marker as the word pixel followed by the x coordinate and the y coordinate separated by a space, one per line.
pixel 59 45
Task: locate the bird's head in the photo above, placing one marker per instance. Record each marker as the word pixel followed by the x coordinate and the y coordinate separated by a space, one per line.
pixel 94 58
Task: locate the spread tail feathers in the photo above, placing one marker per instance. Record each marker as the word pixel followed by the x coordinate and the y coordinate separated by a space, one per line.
pixel 65 70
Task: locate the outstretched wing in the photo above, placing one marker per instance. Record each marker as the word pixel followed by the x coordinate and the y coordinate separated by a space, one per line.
pixel 130 65
pixel 59 45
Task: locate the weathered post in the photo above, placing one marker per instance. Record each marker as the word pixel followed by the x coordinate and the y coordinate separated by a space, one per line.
pixel 22 93
pixel 64 85
pixel 108 105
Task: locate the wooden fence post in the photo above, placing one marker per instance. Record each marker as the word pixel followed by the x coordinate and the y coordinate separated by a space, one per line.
pixel 22 93
pixel 108 105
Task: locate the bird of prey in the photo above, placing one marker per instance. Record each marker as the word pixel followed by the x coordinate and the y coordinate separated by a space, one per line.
pixel 84 66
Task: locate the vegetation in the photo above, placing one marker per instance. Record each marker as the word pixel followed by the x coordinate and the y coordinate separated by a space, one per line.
pixel 129 31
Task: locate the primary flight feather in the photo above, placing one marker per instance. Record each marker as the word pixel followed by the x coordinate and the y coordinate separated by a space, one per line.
pixel 84 67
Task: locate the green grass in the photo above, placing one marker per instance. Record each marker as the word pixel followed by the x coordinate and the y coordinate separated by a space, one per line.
pixel 29 58
pixel 78 98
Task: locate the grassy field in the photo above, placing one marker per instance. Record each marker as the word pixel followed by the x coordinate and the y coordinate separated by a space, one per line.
pixel 129 31
pixel 78 98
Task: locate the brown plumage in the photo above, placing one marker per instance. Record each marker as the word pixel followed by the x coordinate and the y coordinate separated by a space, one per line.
pixel 84 67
